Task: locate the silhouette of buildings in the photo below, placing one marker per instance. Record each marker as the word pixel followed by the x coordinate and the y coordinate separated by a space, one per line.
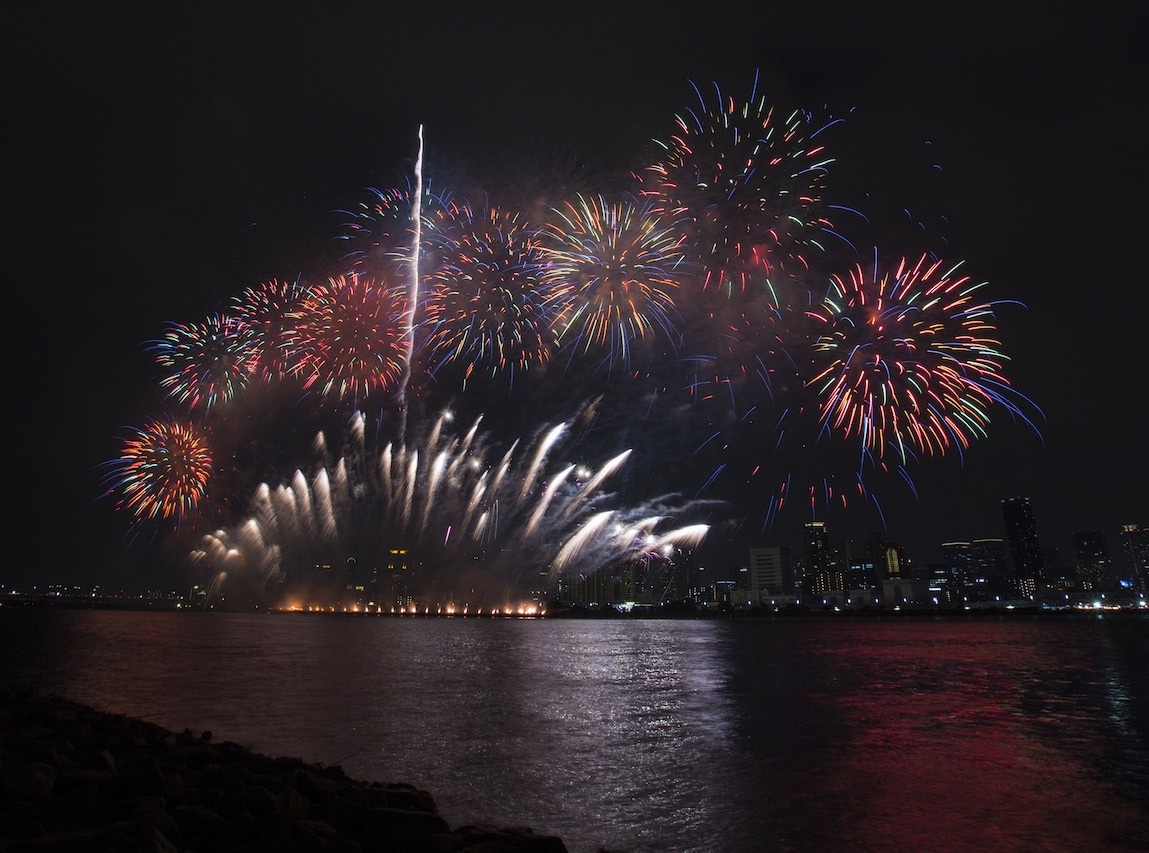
pixel 1024 548
pixel 771 574
pixel 1135 557
pixel 1091 561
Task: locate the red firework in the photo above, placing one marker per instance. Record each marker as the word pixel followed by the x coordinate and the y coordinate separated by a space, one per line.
pixel 355 337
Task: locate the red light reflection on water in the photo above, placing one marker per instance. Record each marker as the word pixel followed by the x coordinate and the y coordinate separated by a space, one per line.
pixel 960 743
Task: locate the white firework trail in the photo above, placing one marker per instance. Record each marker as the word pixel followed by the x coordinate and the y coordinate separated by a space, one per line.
pixel 417 223
pixel 461 516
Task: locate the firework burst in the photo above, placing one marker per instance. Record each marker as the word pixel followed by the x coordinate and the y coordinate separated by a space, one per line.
pixel 267 316
pixel 484 309
pixel 476 514
pixel 380 232
pixel 611 271
pixel 162 472
pixel 205 364
pixel 909 358
pixel 354 337
pixel 745 185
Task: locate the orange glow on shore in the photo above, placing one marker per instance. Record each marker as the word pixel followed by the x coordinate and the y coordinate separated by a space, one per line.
pixel 449 610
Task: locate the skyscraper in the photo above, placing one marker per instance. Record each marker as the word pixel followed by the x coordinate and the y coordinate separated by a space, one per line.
pixel 1135 555
pixel 771 572
pixel 962 564
pixel 991 568
pixel 893 561
pixel 1024 549
pixel 1091 559
pixel 820 576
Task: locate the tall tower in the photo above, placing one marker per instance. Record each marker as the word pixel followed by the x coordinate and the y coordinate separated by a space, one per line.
pixel 991 567
pixel 1021 534
pixel 960 559
pixel 771 572
pixel 1135 554
pixel 820 576
pixel 1091 558
pixel 893 561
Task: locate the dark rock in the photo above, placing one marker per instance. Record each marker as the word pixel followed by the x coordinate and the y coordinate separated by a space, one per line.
pixel 152 840
pixel 489 839
pixel 74 778
pixel 28 779
pixel 20 824
pixel 258 800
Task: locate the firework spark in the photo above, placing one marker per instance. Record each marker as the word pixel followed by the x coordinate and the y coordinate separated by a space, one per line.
pixel 911 359
pixel 746 186
pixel 356 343
pixel 484 309
pixel 267 317
pixel 162 471
pixel 379 233
pixel 473 514
pixel 205 364
pixel 611 271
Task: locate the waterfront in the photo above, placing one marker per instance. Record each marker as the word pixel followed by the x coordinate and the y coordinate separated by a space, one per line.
pixel 642 735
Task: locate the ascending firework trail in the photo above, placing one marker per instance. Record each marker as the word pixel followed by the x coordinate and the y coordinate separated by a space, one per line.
pixel 416 217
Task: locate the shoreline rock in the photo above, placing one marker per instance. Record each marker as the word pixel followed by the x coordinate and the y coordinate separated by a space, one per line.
pixel 73 778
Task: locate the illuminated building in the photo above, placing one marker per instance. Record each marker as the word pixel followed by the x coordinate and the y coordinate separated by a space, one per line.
pixel 819 576
pixel 892 560
pixel 771 572
pixel 1091 558
pixel 1024 549
pixel 959 557
pixel 398 591
pixel 1135 556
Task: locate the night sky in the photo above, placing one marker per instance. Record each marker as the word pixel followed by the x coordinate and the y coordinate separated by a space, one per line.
pixel 166 160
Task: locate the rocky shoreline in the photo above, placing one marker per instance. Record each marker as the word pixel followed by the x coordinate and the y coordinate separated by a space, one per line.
pixel 73 778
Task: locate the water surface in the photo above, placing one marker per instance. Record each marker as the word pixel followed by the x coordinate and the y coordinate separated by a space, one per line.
pixel 660 735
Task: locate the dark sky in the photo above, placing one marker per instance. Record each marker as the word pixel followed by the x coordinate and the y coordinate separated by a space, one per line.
pixel 164 160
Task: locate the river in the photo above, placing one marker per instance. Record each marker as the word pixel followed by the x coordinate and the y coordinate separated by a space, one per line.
pixel 817 733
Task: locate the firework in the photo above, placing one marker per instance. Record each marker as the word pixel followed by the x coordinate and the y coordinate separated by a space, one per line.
pixel 484 308
pixel 745 354
pixel 355 342
pixel 162 472
pixel 745 185
pixel 909 359
pixel 611 272
pixel 813 473
pixel 696 288
pixel 474 513
pixel 205 364
pixel 267 316
pixel 379 233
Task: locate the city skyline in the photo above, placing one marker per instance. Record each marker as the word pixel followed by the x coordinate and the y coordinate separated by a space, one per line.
pixel 200 172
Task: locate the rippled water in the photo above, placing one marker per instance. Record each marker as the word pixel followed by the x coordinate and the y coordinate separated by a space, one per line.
pixel 660 735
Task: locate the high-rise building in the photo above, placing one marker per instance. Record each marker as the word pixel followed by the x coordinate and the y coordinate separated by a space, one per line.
pixel 991 569
pixel 689 577
pixel 893 562
pixel 771 572
pixel 1059 574
pixel 942 582
pixel 819 575
pixel 837 565
pixel 397 587
pixel 865 566
pixel 1091 559
pixel 1135 556
pixel 1024 548
pixel 959 558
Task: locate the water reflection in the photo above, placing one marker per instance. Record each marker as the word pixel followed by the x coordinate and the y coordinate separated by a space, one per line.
pixel 650 735
pixel 968 739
